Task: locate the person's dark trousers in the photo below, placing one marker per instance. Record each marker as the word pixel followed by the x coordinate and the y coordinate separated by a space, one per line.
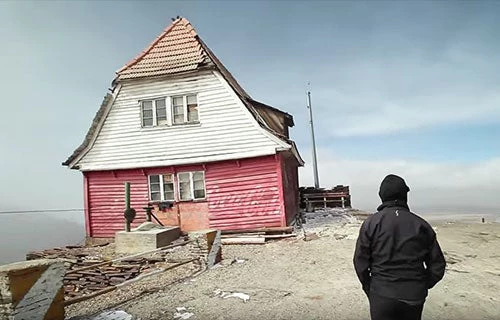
pixel 382 308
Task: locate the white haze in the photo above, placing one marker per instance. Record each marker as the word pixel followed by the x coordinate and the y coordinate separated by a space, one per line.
pixel 435 187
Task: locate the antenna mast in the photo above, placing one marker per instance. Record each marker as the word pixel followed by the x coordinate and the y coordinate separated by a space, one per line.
pixel 315 160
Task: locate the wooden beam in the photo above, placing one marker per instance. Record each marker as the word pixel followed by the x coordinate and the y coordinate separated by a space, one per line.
pixel 212 255
pixel 266 230
pixel 89 296
pixel 265 236
pixel 248 240
pixel 129 257
pixel 112 288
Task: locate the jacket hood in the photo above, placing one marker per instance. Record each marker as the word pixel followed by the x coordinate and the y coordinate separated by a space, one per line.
pixel 393 188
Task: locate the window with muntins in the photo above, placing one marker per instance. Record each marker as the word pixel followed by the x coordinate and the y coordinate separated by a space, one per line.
pixel 185 109
pixel 161 187
pixel 177 110
pixel 154 112
pixel 191 185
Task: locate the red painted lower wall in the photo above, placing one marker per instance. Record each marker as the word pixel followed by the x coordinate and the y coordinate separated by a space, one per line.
pixel 244 194
pixel 106 200
pixel 249 193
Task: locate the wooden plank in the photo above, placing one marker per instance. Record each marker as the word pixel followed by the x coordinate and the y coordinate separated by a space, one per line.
pixel 112 288
pixel 265 236
pixel 89 296
pixel 265 230
pixel 145 275
pixel 243 234
pixel 129 257
pixel 252 240
pixel 212 255
pixel 278 236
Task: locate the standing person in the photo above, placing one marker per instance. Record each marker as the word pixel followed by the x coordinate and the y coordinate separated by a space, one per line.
pixel 397 257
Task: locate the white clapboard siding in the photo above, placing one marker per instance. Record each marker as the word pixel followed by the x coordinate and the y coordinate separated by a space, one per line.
pixel 227 130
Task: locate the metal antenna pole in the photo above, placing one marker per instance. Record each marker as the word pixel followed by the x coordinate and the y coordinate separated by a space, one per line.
pixel 315 160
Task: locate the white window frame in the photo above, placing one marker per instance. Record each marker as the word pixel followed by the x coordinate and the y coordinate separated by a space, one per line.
pixel 162 187
pixel 191 185
pixel 155 116
pixel 169 109
pixel 185 109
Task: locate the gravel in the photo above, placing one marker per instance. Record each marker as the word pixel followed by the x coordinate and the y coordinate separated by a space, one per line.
pixel 297 279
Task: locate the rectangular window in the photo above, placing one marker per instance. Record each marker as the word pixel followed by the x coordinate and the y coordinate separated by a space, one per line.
pixel 161 112
pixel 168 187
pixel 185 186
pixel 192 108
pixel 170 111
pixel 178 110
pixel 161 187
pixel 191 185
pixel 199 185
pixel 147 113
pixel 154 112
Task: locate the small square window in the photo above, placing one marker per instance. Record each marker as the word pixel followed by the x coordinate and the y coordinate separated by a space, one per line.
pixel 192 185
pixel 161 187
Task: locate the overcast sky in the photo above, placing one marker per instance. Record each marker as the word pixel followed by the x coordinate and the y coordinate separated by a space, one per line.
pixel 411 88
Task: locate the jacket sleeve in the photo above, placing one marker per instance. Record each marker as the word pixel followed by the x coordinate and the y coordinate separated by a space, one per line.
pixel 362 257
pixel 435 263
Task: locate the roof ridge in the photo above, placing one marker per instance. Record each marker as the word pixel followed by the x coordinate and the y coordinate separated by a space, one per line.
pixel 144 52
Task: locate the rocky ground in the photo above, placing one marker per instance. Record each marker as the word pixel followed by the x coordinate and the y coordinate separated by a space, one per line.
pixel 314 279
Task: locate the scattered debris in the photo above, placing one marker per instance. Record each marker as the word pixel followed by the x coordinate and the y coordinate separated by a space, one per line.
pixel 183 316
pixel 91 272
pixel 243 296
pixel 225 295
pixel 181 313
pixel 237 261
pixel 113 315
pixel 310 236
pixel 256 236
pixel 339 236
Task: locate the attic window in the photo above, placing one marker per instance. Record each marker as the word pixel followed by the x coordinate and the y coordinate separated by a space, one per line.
pixel 154 112
pixel 185 109
pixel 180 110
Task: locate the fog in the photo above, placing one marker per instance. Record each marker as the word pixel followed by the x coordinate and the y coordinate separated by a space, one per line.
pixel 20 233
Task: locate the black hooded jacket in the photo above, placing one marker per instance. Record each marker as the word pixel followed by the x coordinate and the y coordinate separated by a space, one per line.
pixel 397 253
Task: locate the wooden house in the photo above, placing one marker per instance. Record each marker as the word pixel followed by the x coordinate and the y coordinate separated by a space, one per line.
pixel 182 131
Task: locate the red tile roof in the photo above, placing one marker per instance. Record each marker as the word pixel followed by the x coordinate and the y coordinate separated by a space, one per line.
pixel 179 49
pixel 176 49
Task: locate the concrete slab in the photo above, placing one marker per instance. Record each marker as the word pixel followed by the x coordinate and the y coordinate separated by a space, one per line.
pixel 140 241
